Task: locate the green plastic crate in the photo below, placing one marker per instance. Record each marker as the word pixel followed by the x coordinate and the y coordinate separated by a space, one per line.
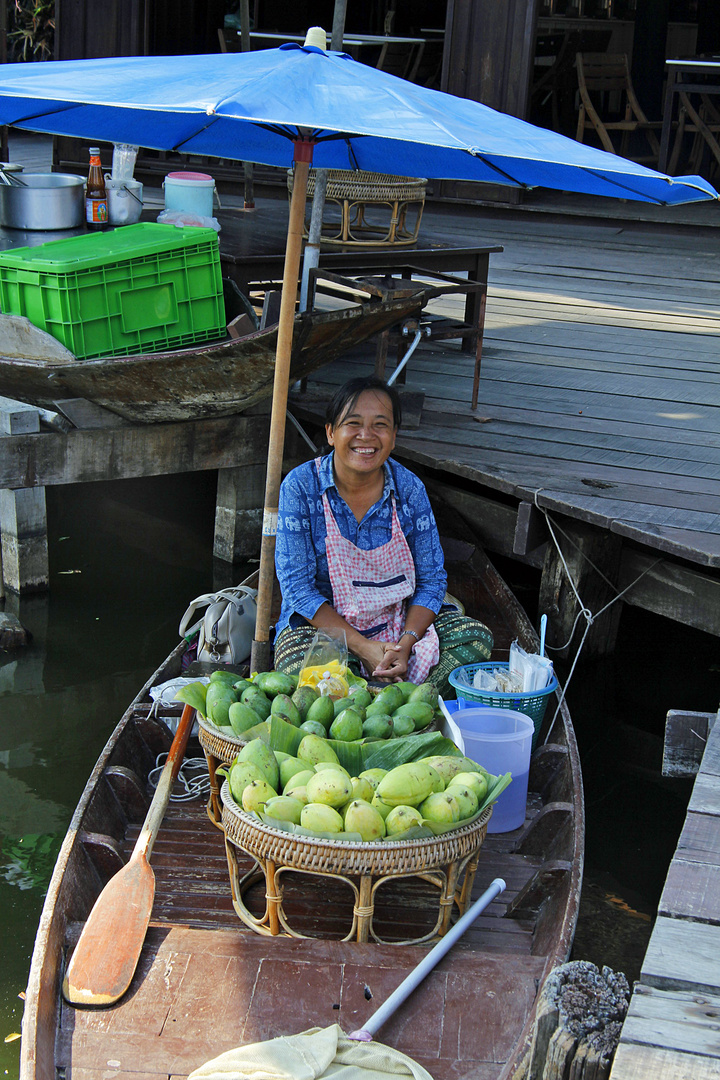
pixel 141 288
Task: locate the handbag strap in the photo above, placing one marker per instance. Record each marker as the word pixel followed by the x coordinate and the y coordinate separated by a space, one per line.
pixel 234 596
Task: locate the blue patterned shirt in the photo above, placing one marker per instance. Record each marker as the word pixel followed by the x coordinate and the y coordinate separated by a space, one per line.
pixel 300 557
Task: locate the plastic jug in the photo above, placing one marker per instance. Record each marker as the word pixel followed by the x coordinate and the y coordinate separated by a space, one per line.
pixel 500 740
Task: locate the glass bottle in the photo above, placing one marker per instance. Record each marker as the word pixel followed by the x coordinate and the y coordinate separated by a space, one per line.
pixel 96 205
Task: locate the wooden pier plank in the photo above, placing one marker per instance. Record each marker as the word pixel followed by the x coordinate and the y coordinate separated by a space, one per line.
pixel 637 1062
pixel 674 1020
pixel 682 955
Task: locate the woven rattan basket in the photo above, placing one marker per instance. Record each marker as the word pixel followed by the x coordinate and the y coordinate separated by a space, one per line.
pixel 219 750
pixel 448 861
pixel 354 193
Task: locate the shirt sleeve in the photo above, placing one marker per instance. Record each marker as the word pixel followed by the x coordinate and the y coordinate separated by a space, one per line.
pixel 424 544
pixel 295 557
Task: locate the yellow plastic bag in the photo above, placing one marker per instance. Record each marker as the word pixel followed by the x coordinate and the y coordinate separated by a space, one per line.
pixel 325 665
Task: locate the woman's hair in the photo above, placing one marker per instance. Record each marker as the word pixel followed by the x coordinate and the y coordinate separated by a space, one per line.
pixel 344 399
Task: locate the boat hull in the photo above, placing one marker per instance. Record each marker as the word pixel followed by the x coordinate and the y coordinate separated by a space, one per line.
pixel 218 379
pixel 205 983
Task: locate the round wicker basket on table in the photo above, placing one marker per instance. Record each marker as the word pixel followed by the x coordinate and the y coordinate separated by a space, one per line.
pixel 355 193
pixel 448 861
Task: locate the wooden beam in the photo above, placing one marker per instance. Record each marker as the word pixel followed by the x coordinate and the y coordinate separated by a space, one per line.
pixel 666 588
pixel 23 526
pixel 493 523
pixel 685 740
pixel 531 531
pixel 238 513
pixel 47 459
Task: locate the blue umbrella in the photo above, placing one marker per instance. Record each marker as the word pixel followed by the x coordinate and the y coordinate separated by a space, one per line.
pixel 253 106
pixel 300 104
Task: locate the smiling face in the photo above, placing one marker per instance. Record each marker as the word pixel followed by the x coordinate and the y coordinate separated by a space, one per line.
pixel 364 436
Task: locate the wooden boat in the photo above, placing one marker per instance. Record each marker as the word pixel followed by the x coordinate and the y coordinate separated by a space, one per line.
pixel 205 983
pixel 216 379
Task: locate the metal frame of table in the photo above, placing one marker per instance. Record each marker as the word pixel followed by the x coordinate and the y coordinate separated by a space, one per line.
pixel 249 269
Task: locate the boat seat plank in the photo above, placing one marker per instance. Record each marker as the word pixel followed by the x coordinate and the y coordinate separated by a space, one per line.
pixel 264 988
pixel 682 955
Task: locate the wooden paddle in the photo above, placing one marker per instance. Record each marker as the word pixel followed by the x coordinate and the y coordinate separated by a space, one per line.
pixel 105 957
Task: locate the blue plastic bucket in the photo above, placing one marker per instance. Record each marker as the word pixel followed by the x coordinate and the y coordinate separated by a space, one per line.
pixel 189 192
pixel 500 740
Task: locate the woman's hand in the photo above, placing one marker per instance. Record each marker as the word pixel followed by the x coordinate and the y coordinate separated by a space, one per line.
pixel 394 663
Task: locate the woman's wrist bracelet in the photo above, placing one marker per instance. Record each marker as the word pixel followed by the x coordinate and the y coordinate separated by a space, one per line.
pixel 412 633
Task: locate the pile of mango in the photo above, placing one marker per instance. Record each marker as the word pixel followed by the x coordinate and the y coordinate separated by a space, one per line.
pixel 236 705
pixel 313 791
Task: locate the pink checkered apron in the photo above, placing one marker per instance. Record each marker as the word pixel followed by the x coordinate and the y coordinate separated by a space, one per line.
pixel 370 590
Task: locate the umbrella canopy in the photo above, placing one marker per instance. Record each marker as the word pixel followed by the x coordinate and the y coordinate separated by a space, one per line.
pixel 251 106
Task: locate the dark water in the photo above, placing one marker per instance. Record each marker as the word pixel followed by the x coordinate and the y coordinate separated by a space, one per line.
pixel 125 559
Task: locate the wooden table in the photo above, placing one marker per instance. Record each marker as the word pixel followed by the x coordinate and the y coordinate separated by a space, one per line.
pixel 693 75
pixel 252 253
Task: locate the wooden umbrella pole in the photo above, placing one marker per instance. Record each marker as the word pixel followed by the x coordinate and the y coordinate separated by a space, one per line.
pixel 260 655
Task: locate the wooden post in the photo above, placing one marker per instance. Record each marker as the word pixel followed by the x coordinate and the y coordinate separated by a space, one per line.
pixel 584 548
pixel 238 513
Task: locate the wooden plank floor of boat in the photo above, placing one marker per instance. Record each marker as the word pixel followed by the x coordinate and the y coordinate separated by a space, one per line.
pixel 206 983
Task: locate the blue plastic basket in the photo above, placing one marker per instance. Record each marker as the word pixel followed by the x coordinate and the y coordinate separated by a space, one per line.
pixel 533 702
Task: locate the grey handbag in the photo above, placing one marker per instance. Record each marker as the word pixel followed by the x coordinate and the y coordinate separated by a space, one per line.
pixel 225 631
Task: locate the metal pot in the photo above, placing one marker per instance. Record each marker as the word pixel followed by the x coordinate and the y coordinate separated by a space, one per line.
pixel 43 201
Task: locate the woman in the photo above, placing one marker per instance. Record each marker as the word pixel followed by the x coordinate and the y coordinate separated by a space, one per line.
pixel 358 550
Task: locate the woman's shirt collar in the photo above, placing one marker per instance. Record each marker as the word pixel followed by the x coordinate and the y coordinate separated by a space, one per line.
pixel 326 478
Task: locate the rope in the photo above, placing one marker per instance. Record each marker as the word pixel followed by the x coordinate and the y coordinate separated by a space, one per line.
pixel 584 611
pixel 193 775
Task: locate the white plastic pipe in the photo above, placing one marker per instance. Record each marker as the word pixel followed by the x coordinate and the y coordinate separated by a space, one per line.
pixel 423 331
pixel 426 965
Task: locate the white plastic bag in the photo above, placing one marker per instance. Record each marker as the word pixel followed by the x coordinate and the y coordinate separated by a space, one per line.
pixel 184 218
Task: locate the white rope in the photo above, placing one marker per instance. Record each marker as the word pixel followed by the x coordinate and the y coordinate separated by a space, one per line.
pixel 193 775
pixel 584 611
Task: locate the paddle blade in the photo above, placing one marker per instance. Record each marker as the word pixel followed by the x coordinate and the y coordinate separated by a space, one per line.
pixel 104 961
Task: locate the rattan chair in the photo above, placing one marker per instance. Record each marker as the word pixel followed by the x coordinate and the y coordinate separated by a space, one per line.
pixel 606 92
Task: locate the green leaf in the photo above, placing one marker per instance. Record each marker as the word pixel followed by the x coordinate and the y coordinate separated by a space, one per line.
pixel 284 736
pixel 392 752
pixel 193 694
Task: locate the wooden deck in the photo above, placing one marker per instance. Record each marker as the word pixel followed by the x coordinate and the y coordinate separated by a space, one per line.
pixel 672 1027
pixel 599 398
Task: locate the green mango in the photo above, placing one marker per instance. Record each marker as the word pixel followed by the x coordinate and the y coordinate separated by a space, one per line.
pixel 361 698
pixel 402 725
pixel 242 717
pixel 407 689
pixel 391 697
pixel 314 748
pixel 263 758
pixel 258 701
pixel 425 692
pixel 241 774
pixel 347 727
pixel 275 682
pixel 218 700
pixel 241 684
pixel 378 727
pixel 283 706
pixel 221 676
pixel 284 808
pixel 419 712
pixel 311 727
pixel 303 698
pixel 322 712
pixel 289 767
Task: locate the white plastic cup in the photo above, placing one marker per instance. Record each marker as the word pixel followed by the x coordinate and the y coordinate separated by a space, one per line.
pixel 500 740
pixel 190 192
pixel 123 162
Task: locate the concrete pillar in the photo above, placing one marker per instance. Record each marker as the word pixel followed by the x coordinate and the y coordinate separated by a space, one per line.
pixel 238 513
pixel 23 523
